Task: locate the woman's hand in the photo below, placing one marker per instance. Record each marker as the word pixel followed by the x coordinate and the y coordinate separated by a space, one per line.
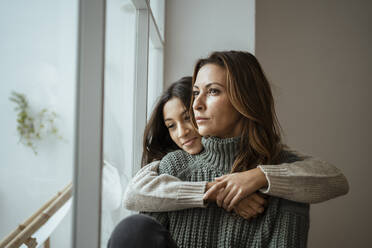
pixel 250 206
pixel 232 188
pixel 213 195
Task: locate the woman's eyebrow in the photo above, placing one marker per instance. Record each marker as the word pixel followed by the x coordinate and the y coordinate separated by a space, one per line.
pixel 210 84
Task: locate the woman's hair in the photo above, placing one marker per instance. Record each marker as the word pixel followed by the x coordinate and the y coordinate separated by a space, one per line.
pixel 156 139
pixel 249 92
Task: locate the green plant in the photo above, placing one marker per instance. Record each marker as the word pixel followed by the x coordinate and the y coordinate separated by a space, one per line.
pixel 33 127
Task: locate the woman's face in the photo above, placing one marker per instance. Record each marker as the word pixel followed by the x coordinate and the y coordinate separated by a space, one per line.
pixel 178 122
pixel 214 113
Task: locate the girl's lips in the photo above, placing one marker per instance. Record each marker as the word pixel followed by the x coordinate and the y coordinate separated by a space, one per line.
pixel 190 142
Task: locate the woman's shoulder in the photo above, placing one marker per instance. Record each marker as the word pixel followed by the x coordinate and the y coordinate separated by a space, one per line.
pixel 174 162
pixel 288 156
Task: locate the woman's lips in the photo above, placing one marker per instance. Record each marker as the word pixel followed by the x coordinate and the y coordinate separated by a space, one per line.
pixel 200 120
pixel 190 142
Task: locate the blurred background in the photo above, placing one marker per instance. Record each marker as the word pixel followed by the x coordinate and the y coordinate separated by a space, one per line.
pixel 316 54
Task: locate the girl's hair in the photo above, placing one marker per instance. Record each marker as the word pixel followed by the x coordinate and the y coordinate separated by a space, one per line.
pixel 156 139
pixel 249 92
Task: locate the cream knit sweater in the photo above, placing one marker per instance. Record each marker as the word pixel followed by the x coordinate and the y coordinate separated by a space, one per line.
pixel 308 181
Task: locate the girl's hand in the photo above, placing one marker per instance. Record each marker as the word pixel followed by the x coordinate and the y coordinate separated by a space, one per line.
pixel 232 188
pixel 251 206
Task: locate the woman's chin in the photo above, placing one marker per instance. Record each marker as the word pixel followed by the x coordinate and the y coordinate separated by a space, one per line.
pixel 203 131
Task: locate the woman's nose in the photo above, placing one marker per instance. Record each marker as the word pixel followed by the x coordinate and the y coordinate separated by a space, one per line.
pixel 198 103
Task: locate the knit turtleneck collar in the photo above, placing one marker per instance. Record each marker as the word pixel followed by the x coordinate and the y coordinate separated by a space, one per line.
pixel 220 152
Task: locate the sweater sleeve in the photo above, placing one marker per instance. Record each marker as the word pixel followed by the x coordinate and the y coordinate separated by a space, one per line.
pixel 148 191
pixel 310 180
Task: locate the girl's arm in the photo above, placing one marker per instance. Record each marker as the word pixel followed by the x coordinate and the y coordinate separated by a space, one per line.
pixel 148 191
pixel 309 181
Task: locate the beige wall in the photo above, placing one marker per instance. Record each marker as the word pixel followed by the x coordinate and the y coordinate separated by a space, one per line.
pixel 318 55
pixel 194 28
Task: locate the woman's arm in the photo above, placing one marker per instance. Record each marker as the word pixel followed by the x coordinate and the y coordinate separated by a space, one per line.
pixel 148 191
pixel 309 181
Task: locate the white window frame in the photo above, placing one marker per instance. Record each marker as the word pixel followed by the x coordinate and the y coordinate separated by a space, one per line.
pixel 89 111
pixel 89 124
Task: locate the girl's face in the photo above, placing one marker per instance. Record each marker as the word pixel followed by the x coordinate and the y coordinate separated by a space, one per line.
pixel 214 113
pixel 178 122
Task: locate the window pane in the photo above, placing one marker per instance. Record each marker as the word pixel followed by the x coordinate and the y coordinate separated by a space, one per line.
pixel 118 111
pixel 155 76
pixel 38 63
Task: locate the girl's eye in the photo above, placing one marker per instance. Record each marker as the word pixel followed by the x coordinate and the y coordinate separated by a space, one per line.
pixel 170 126
pixel 195 93
pixel 213 91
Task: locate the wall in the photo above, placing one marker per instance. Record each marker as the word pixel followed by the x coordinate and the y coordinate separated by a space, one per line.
pixel 194 28
pixel 317 54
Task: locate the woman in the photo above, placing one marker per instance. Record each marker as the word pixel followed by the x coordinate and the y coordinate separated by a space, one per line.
pixel 233 109
pixel 323 181
pixel 263 143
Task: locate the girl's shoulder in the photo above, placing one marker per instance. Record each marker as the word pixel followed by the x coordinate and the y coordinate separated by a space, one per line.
pixel 174 162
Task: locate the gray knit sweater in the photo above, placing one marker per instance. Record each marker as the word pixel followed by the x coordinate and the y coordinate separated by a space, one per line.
pixel 283 224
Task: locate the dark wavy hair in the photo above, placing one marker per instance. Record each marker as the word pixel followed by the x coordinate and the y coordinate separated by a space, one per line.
pixel 156 139
pixel 249 92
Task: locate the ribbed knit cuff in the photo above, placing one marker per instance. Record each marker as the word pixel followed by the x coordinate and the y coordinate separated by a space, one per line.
pixel 191 195
pixel 278 180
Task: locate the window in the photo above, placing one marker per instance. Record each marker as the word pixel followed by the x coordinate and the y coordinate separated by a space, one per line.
pixel 133 82
pixel 38 60
pixel 120 44
pixel 99 66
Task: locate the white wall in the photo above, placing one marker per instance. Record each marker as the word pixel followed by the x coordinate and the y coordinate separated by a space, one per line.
pixel 318 55
pixel 195 28
pixel 38 58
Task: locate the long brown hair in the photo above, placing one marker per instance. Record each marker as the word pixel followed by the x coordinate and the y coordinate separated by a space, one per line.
pixel 249 92
pixel 156 139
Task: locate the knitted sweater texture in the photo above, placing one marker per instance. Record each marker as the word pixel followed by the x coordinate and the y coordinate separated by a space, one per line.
pixel 283 224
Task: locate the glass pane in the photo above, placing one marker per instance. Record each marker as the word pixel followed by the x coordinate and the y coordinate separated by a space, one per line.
pixel 118 111
pixel 38 70
pixel 155 77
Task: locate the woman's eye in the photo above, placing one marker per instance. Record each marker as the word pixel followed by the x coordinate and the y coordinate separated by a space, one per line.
pixel 170 126
pixel 195 93
pixel 213 91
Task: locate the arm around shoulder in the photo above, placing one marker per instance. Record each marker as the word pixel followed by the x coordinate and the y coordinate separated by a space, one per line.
pixel 149 192
pixel 310 180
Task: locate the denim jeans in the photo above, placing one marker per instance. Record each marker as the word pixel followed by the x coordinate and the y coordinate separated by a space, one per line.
pixel 140 231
